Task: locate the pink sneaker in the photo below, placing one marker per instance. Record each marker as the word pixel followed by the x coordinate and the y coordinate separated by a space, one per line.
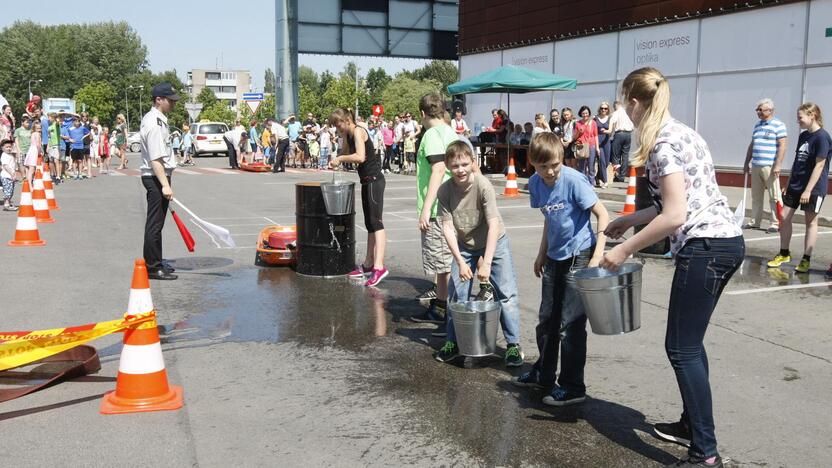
pixel 360 271
pixel 377 276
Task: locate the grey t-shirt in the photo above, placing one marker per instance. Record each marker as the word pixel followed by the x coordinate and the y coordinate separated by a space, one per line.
pixel 470 209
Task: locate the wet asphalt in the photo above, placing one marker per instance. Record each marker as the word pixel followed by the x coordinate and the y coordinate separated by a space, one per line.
pixel 286 370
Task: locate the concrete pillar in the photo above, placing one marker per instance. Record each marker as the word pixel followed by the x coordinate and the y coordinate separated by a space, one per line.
pixel 286 59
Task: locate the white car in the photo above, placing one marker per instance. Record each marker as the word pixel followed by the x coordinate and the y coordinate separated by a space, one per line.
pixel 134 143
pixel 207 138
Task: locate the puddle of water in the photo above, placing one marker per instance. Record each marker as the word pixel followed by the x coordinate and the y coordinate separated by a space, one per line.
pixel 755 272
pixel 199 263
pixel 276 305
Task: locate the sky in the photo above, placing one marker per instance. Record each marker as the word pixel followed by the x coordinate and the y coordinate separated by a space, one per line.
pixel 183 35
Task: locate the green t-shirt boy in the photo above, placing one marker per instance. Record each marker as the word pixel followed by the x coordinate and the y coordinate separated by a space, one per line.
pixel 431 149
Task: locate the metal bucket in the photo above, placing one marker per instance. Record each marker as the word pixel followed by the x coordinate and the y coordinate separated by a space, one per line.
pixel 475 324
pixel 611 300
pixel 338 197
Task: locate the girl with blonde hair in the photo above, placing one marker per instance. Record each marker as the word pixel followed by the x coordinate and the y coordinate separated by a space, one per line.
pixel 705 240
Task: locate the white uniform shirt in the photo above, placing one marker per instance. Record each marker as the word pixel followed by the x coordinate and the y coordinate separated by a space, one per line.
pixel 620 122
pixel 155 140
pixel 279 131
pixel 234 136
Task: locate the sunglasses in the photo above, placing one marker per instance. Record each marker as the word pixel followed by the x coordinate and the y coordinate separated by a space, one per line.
pixel 605 108
pixel 762 110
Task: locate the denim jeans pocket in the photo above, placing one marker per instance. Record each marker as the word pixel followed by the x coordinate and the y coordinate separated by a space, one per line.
pixel 718 272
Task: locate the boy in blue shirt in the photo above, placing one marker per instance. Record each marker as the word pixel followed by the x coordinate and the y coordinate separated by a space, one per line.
pixel 566 200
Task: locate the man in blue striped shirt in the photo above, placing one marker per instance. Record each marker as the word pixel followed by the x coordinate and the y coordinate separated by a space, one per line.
pixel 765 155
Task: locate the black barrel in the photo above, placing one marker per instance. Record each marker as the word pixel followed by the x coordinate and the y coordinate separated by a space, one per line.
pixel 645 200
pixel 326 244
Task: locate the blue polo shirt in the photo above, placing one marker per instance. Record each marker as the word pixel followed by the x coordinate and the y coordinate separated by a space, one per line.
pixel 294 130
pixel 44 129
pixel 567 206
pixel 764 141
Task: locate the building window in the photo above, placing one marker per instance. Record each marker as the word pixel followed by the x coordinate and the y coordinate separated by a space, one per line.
pixel 229 89
pixel 232 103
pixel 215 89
pixel 212 75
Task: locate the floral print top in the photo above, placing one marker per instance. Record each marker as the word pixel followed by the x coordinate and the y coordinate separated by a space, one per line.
pixel 679 148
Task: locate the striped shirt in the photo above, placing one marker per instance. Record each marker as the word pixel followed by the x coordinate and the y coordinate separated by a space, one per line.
pixel 764 141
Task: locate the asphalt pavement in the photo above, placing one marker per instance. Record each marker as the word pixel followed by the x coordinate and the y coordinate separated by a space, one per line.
pixel 283 370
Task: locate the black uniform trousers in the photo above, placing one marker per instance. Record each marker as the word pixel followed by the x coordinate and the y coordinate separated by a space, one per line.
pixel 280 155
pixel 232 153
pixel 157 210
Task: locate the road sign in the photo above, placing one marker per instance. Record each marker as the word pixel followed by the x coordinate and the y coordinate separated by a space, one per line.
pixel 253 96
pixel 253 105
pixel 193 108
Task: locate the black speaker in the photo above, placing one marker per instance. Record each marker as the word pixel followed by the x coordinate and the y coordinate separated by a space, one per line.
pixel 458 104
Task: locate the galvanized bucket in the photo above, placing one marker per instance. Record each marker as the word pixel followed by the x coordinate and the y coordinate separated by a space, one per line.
pixel 611 300
pixel 475 324
pixel 338 197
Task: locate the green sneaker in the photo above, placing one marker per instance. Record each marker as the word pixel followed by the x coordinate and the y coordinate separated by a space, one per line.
pixel 514 356
pixel 803 266
pixel 779 260
pixel 449 352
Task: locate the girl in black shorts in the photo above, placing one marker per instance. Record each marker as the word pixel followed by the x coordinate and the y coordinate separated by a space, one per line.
pixel 358 149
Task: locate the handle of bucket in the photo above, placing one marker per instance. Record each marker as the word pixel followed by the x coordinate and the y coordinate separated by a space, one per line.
pixel 636 254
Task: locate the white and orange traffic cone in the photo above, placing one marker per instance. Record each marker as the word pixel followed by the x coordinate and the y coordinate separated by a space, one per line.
pixel 511 180
pixel 39 200
pixel 49 189
pixel 26 234
pixel 142 383
pixel 630 201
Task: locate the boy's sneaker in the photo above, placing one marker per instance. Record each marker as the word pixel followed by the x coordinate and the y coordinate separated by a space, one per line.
pixel 772 230
pixel 434 314
pixel 803 266
pixel 377 276
pixel 560 397
pixel 691 461
pixel 514 356
pixel 441 331
pixel 360 271
pixel 486 292
pixel 529 379
pixel 428 295
pixel 779 260
pixel 677 432
pixel 448 352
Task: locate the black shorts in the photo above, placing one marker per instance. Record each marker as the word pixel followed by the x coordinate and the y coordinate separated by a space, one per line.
pixel 372 202
pixel 78 154
pixel 792 200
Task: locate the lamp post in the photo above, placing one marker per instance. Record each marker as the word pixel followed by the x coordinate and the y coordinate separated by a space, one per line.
pixel 30 86
pixel 127 108
pixel 141 87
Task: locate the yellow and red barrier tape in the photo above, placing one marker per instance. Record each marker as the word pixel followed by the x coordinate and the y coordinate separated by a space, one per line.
pixel 19 348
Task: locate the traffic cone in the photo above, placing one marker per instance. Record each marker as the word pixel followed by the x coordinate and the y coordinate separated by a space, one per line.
pixel 26 233
pixel 142 383
pixel 140 300
pixel 511 180
pixel 49 188
pixel 630 201
pixel 39 200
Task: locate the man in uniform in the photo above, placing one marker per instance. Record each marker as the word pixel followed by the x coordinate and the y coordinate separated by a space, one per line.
pixel 157 166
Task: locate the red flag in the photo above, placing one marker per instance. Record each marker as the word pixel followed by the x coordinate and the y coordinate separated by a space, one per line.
pixel 186 235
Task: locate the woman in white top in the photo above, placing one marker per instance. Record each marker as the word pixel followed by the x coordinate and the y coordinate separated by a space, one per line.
pixel 705 240
pixel 540 125
pixel 459 125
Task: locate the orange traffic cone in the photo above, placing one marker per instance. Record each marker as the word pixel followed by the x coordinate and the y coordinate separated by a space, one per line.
pixel 142 383
pixel 630 201
pixel 511 180
pixel 49 188
pixel 140 300
pixel 26 233
pixel 39 200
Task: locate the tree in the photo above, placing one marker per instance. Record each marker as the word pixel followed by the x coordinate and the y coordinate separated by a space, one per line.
pixel 206 97
pixel 402 95
pixel 98 98
pixel 218 112
pixel 308 78
pixel 309 100
pixel 442 72
pixel 68 56
pixel 377 80
pixel 269 81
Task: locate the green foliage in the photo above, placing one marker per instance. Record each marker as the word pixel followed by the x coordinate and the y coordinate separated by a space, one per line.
pixel 218 112
pixel 309 100
pixel 377 80
pixel 403 94
pixel 66 57
pixel 207 98
pixel 307 77
pixel 442 72
pixel 97 97
pixel 269 81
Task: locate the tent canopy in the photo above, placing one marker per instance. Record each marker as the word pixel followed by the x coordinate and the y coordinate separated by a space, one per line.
pixel 512 79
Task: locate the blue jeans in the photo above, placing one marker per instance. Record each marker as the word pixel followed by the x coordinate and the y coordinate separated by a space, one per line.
pixel 562 325
pixel 587 166
pixel 703 268
pixel 502 279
